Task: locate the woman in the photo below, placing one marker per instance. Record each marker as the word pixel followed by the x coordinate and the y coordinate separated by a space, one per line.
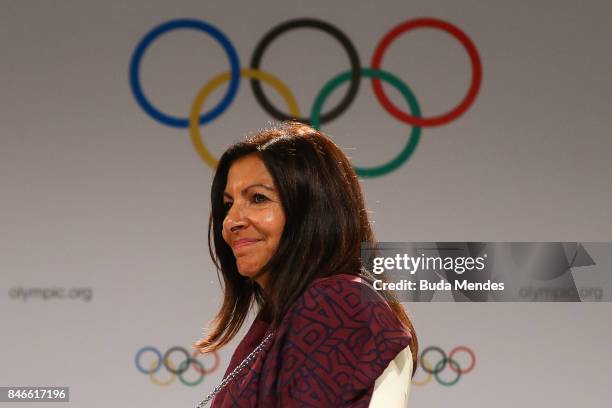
pixel 287 222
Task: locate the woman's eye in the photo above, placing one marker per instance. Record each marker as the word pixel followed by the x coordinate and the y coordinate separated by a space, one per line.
pixel 226 206
pixel 259 198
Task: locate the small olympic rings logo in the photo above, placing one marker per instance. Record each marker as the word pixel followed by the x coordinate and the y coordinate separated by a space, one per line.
pixel 433 370
pixel 175 370
pixel 317 117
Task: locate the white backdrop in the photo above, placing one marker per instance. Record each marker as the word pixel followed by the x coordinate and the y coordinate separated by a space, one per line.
pixel 98 195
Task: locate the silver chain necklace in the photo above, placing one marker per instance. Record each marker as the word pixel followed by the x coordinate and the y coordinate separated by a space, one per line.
pixel 235 371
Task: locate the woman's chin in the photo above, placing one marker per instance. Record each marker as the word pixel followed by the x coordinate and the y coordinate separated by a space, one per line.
pixel 247 272
pixel 251 273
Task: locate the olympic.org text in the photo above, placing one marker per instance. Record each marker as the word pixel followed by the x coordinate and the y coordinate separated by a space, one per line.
pixel 428 263
pixel 45 294
pixel 556 293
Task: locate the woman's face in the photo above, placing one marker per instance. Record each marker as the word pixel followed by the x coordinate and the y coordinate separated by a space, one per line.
pixel 254 218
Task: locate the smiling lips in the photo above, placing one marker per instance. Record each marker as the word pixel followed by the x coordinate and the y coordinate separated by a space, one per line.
pixel 244 242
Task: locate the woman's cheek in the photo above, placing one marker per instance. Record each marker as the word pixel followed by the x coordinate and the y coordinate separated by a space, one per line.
pixel 268 216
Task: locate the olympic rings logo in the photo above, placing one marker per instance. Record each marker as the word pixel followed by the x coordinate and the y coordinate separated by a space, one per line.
pixel 316 117
pixel 175 370
pixel 434 370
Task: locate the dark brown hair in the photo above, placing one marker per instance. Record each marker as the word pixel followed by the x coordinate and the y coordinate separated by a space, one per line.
pixel 325 224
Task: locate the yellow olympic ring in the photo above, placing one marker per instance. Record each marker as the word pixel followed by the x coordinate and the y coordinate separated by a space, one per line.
pixel 194 131
pixel 159 382
pixel 429 375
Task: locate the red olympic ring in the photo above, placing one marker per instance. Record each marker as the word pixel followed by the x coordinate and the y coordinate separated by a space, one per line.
pixel 205 371
pixel 467 350
pixel 457 34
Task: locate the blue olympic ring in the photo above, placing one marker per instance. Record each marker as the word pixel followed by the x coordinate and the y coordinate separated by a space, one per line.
pixel 173 25
pixel 137 359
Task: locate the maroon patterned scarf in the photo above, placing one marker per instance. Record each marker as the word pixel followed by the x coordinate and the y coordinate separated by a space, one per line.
pixel 328 351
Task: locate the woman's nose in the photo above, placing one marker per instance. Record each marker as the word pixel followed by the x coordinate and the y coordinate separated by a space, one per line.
pixel 235 219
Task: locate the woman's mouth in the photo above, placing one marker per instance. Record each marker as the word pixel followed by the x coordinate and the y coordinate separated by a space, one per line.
pixel 244 242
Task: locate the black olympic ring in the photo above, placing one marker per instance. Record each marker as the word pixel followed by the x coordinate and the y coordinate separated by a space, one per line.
pixel 319 25
pixel 424 366
pixel 187 357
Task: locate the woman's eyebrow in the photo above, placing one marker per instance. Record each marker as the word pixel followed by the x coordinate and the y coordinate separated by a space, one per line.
pixel 266 186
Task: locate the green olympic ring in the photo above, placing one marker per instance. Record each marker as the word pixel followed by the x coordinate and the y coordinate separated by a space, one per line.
pixel 397 161
pixel 438 368
pixel 184 366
